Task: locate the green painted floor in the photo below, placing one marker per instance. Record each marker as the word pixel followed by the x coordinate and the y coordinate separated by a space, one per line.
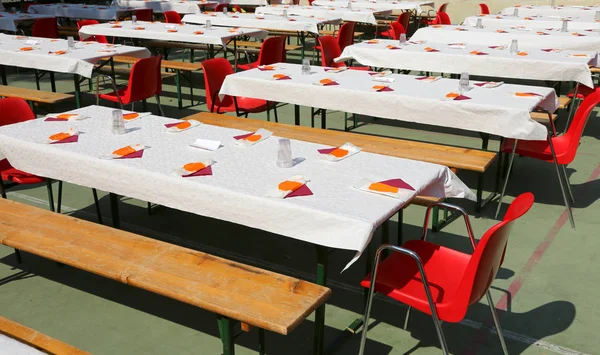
pixel 545 290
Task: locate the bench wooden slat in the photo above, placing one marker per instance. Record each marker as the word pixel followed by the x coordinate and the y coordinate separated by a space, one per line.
pixel 563 102
pixel 542 117
pixel 127 71
pixel 36 339
pixel 257 45
pixel 165 64
pixel 454 157
pixel 249 294
pixel 46 97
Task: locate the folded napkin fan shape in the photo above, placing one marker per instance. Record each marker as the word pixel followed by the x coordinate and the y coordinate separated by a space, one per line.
pixel 198 168
pixel 392 188
pixel 181 126
pixel 292 187
pixel 281 77
pixel 127 152
pixel 338 153
pixel 456 96
pixel 327 82
pixel 248 139
pixel 70 136
pixel 62 117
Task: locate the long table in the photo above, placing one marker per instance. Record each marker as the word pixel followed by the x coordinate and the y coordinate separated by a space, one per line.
pixel 80 11
pixel 496 36
pixel 495 111
pixel 355 15
pixel 549 64
pixel 160 6
pixel 10 22
pixel 413 6
pixel 534 22
pixel 587 13
pixel 47 54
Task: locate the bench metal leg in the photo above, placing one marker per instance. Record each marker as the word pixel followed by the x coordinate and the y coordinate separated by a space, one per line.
pixel 178 86
pixel 261 342
pixel 2 189
pixel 97 205
pixel 50 195
pixel 322 261
pixel 77 90
pixel 323 118
pixel 60 186
pixel 53 82
pixel 226 331
pixel 37 79
pixel 3 74
pixel 18 255
pixel 114 209
pixel 297 115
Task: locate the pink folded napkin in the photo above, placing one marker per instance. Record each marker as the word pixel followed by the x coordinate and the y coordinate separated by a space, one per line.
pixel 381 88
pixel 302 191
pixel 242 136
pixel 326 150
pixel 137 154
pixel 204 172
pixel 399 183
pixel 71 139
pixel 461 97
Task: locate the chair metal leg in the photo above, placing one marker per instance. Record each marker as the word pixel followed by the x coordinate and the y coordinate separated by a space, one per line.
pixel 564 170
pixel 162 113
pixel 562 188
pixel 50 195
pixel 407 317
pixel 496 322
pixel 572 106
pixel 275 113
pixel 60 186
pixel 97 205
pixel 510 163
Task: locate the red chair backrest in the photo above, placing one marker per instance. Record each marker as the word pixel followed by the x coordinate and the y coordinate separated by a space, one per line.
pixel 45 28
pixel 397 30
pixel 220 7
pixel 97 38
pixel 144 15
pixel 443 7
pixel 345 36
pixel 566 145
pixel 444 19
pixel 14 110
pixel 404 19
pixel 485 10
pixel 145 79
pixel 237 8
pixel 487 258
pixel 215 71
pixel 27 4
pixel 329 51
pixel 172 17
pixel 272 51
pixel 310 2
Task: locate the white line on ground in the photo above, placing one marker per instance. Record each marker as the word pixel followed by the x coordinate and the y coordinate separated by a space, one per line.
pixel 292 272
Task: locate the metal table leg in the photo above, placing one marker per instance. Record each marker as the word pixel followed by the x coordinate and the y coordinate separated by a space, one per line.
pixel 114 210
pixel 77 90
pixel 319 340
pixel 297 115
pixel 226 331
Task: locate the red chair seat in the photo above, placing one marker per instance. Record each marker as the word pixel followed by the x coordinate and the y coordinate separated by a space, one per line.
pixel 538 149
pixel 582 92
pixel 8 173
pixel 112 97
pixel 360 68
pixel 398 277
pixel 246 104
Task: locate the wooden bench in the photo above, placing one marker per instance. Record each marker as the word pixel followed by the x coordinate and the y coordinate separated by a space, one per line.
pixel 34 96
pixel 180 69
pixel 256 45
pixel 474 160
pixel 234 291
pixel 37 340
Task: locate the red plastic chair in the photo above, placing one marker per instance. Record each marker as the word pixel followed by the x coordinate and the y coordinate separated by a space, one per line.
pixel 310 2
pixel 97 38
pixel 215 72
pixel 172 17
pixel 403 20
pixel 435 21
pixel 331 50
pixel 444 19
pixel 271 51
pixel 220 7
pixel 144 15
pixel 443 7
pixel 237 8
pixel 345 36
pixel 15 110
pixel 560 150
pixel 440 281
pixel 45 28
pixel 145 81
pixel 26 6
pixel 485 10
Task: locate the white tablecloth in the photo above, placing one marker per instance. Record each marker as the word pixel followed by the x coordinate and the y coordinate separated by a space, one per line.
pixel 80 11
pixel 536 65
pixel 355 15
pixel 588 41
pixel 495 111
pixel 336 215
pixel 10 22
pixel 376 5
pixel 540 23
pixel 219 36
pixel 269 22
pixel 580 12
pixel 10 346
pixel 182 7
pixel 245 2
pixel 80 61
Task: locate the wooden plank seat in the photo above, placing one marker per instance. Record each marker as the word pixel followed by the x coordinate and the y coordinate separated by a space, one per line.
pixel 457 158
pixel 234 291
pixel 334 33
pixel 242 45
pixel 181 69
pixel 36 340
pixel 34 96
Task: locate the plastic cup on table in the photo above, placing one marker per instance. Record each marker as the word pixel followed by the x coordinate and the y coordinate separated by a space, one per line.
pixel 463 84
pixel 597 16
pixel 479 23
pixel 565 26
pixel 71 43
pixel 402 40
pixel 284 154
pixel 208 25
pixel 285 14
pixel 516 13
pixel 305 66
pixel 118 122
pixel 225 10
pixel 133 19
pixel 514 46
